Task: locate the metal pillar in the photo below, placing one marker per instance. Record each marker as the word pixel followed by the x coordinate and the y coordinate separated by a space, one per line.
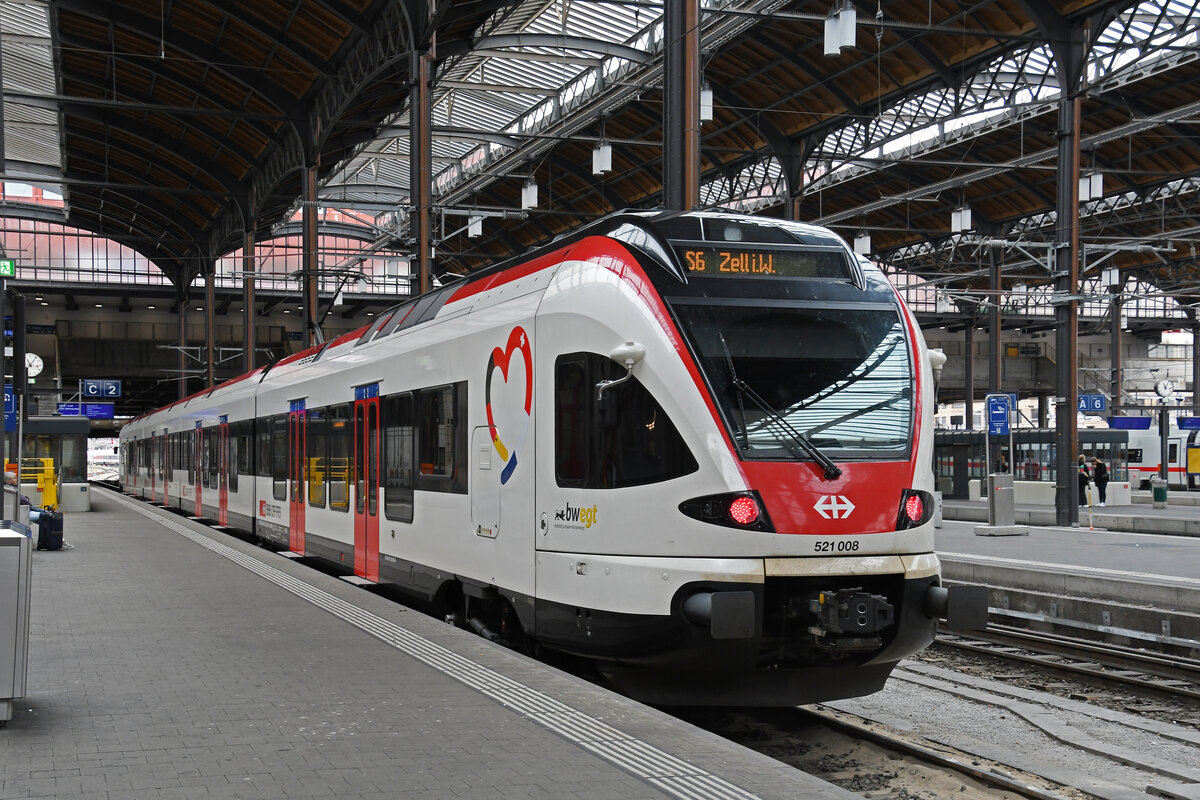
pixel 308 271
pixel 421 166
pixel 249 317
pixel 1116 385
pixel 1066 312
pixel 995 334
pixel 1043 411
pixel 181 305
pixel 969 389
pixel 1195 369
pixel 210 326
pixel 681 105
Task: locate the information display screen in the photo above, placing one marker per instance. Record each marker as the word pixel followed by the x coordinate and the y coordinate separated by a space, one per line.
pixel 724 260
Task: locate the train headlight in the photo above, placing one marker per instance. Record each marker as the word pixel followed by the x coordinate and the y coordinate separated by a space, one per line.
pixel 916 508
pixel 742 510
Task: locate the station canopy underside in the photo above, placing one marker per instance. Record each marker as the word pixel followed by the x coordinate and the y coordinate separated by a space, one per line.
pixel 175 127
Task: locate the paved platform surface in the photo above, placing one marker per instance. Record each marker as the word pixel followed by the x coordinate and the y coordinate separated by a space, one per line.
pixel 169 661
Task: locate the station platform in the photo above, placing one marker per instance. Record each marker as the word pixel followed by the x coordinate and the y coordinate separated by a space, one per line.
pixel 1181 517
pixel 168 660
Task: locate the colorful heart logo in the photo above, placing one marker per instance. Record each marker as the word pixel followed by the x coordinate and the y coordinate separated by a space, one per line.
pixel 502 359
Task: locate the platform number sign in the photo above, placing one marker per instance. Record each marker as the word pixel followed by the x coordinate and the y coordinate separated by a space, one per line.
pixel 1091 403
pixel 96 388
pixel 8 268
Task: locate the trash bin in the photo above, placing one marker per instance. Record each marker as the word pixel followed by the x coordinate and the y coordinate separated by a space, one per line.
pixel 1158 491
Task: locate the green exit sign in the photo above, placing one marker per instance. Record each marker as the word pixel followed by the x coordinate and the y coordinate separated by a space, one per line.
pixel 8 268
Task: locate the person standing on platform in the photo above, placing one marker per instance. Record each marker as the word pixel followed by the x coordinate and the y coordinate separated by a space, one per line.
pixel 1085 478
pixel 1100 477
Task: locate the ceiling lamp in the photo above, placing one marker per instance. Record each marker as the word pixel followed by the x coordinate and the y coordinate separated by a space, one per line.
pixel 475 227
pixel 840 28
pixel 602 158
pixel 1091 187
pixel 862 243
pixel 529 195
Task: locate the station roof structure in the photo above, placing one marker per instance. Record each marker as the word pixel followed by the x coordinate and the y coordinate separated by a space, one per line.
pixel 174 126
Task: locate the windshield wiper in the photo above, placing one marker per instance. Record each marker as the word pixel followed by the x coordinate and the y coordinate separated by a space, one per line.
pixel 832 470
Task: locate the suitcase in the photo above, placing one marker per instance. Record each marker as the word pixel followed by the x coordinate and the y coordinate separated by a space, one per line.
pixel 50 531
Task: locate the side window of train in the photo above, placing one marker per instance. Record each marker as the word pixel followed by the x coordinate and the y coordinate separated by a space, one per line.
pixel 317 435
pixel 399 457
pixel 245 453
pixel 262 459
pixel 441 439
pixel 341 456
pixel 231 458
pixel 638 444
pixel 279 456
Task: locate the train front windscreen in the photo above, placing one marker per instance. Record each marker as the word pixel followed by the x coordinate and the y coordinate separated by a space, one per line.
pixel 792 375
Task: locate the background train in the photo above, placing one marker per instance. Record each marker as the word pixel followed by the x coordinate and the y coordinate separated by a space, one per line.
pixel 1132 455
pixel 695 448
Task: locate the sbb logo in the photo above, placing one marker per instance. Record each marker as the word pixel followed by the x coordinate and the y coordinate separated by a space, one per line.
pixel 834 506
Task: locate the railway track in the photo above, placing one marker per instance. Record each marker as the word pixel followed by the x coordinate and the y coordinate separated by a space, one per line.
pixel 1165 675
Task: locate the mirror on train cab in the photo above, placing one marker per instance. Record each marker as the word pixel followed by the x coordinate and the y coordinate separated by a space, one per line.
pixel 627 355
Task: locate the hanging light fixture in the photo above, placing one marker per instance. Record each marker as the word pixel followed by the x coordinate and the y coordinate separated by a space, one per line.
pixel 706 103
pixel 840 28
pixel 475 227
pixel 602 158
pixel 862 243
pixel 960 219
pixel 529 194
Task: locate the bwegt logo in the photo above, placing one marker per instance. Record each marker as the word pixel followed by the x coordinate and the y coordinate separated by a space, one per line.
pixel 585 515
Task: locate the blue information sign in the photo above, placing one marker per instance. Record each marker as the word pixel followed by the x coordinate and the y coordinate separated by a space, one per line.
pixel 10 409
pixel 99 388
pixel 89 410
pixel 1184 423
pixel 1091 403
pixel 997 414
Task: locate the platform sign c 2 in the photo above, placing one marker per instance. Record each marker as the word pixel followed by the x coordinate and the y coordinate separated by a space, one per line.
pixel 998 410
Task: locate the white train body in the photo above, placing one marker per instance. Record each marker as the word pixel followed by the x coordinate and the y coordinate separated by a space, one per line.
pixel 465 449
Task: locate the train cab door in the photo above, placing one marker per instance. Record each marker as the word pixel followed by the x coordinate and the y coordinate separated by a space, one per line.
pixel 366 482
pixel 197 453
pixel 297 475
pixel 223 471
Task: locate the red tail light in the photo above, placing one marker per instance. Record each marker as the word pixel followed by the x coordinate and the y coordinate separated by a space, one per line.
pixel 916 508
pixel 742 510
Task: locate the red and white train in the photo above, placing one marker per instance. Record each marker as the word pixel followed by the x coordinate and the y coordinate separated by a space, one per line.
pixel 694 447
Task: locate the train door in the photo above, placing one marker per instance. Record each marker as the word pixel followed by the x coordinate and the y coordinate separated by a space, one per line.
pixel 223 471
pixel 152 467
pixel 164 456
pixel 297 475
pixel 366 482
pixel 198 475
pixel 485 485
